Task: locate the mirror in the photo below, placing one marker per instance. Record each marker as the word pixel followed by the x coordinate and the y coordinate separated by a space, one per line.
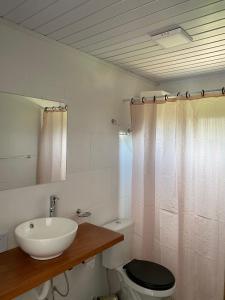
pixel 33 140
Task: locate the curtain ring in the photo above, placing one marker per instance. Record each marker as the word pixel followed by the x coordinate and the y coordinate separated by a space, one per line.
pixel 143 100
pixel 203 93
pixel 166 97
pixel 132 100
pixel 188 95
pixel 223 90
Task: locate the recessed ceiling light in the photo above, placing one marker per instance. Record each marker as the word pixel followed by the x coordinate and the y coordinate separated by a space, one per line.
pixel 172 38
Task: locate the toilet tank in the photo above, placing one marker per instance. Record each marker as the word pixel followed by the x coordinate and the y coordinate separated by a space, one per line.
pixel 121 253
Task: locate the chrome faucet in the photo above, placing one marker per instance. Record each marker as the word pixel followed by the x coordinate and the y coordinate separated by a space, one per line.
pixel 53 199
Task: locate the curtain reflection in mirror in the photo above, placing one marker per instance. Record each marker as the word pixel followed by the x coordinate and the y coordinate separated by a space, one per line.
pixel 52 145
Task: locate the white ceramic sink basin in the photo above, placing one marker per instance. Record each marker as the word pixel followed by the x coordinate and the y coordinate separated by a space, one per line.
pixel 46 238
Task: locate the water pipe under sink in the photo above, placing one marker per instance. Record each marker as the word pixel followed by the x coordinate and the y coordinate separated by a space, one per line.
pixel 44 291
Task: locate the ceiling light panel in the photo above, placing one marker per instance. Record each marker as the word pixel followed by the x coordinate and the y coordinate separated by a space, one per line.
pixel 172 38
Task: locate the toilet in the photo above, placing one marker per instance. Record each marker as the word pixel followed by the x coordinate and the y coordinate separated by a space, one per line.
pixel 139 279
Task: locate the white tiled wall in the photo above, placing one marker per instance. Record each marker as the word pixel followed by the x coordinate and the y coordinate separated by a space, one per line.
pixel 34 66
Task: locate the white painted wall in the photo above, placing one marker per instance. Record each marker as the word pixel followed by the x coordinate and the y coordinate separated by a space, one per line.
pixel 195 83
pixel 37 67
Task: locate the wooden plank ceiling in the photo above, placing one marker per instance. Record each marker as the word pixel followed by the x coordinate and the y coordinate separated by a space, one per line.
pixel 118 31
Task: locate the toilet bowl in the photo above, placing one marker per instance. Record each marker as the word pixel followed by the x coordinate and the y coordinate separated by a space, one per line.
pixel 135 291
pixel 139 279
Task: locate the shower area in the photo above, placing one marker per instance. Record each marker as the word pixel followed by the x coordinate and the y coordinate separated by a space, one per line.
pixel 172 184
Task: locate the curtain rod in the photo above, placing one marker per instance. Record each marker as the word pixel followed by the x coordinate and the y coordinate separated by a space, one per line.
pixel 56 108
pixel 179 96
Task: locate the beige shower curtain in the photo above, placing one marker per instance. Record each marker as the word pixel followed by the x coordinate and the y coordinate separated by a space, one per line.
pixel 52 147
pixel 179 192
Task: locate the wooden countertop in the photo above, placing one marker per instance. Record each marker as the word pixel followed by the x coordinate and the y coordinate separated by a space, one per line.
pixel 20 273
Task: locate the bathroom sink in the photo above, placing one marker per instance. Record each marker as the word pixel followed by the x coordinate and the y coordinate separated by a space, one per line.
pixel 46 238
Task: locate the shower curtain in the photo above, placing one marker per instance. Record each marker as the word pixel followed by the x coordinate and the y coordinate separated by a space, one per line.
pixel 179 192
pixel 52 147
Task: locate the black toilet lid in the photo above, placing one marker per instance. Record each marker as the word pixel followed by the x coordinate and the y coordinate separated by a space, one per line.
pixel 149 275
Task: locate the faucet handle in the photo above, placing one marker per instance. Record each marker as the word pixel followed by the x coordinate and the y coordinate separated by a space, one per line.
pixel 54 198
